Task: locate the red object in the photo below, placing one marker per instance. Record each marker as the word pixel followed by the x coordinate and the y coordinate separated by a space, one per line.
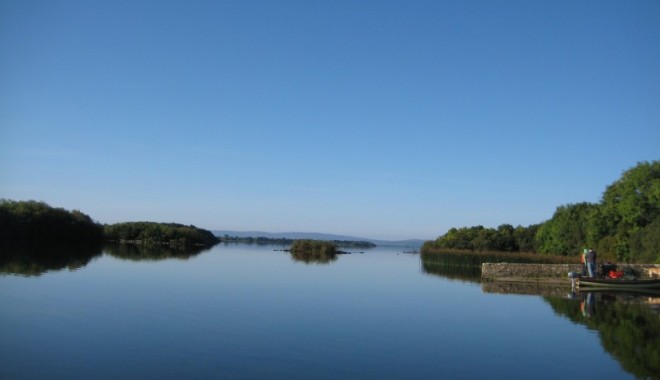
pixel 614 274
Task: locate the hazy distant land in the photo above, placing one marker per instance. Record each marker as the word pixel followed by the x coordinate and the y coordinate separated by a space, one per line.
pixel 410 243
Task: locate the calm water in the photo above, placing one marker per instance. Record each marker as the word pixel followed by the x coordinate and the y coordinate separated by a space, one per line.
pixel 242 311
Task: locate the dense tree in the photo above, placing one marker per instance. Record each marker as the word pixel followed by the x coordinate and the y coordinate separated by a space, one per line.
pixel 37 223
pixel 625 225
pixel 629 205
pixel 524 237
pixel 505 238
pixel 159 233
pixel 566 232
pixel 645 243
pixel 635 198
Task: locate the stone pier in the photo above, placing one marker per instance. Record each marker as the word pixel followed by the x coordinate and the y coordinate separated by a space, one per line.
pixel 541 273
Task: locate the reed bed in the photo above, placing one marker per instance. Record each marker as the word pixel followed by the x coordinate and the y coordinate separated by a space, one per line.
pixel 476 258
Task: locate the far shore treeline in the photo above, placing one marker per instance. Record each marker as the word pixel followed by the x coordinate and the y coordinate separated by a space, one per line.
pixel 37 223
pixel 624 226
pixel 286 241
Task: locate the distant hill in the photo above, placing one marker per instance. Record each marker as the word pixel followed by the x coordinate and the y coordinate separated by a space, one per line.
pixel 410 243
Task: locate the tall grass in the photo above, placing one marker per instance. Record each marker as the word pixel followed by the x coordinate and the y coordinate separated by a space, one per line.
pixel 474 258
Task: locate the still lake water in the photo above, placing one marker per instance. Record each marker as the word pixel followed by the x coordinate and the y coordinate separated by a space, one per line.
pixel 250 312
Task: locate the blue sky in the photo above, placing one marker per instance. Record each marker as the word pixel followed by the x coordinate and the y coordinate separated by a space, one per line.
pixel 380 119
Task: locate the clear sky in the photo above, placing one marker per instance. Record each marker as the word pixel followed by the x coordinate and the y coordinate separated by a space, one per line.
pixel 379 119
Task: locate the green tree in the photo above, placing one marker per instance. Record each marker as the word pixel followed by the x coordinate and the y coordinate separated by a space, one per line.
pixel 645 242
pixel 635 198
pixel 37 223
pixel 159 233
pixel 505 240
pixel 566 232
pixel 485 240
pixel 625 225
pixel 524 238
pixel 629 205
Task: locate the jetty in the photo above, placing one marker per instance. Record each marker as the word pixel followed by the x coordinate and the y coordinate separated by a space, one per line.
pixel 540 273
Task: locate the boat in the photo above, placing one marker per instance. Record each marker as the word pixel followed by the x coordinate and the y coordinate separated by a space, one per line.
pixel 619 283
pixel 634 292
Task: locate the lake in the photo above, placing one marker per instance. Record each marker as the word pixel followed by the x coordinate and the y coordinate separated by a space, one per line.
pixel 253 312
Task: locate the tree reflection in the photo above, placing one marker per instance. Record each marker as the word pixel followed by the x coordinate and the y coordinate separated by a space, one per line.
pixel 311 257
pixel 435 265
pixel 34 260
pixel 627 324
pixel 141 252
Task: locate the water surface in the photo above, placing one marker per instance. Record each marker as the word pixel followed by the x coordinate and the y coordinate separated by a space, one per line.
pixel 248 311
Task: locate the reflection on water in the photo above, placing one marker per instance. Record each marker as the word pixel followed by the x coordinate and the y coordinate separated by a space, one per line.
pixel 36 260
pixel 526 288
pixel 250 312
pixel 431 264
pixel 311 257
pixel 139 252
pixel 628 325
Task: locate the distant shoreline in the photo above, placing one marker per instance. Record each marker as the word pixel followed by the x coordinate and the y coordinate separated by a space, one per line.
pixel 288 241
pixel 406 243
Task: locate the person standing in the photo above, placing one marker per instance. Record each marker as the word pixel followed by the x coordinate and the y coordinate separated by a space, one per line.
pixel 590 259
pixel 583 261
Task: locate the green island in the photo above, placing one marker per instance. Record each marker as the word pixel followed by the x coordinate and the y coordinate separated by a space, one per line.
pixel 150 233
pixel 32 223
pixel 623 227
pixel 314 251
pixel 36 238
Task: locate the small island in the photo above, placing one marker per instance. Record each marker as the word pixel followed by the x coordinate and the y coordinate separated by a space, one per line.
pixel 314 251
pixel 151 233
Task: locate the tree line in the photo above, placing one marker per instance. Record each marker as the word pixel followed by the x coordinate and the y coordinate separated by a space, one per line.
pixel 623 226
pixel 32 222
pixel 172 234
pixel 37 223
